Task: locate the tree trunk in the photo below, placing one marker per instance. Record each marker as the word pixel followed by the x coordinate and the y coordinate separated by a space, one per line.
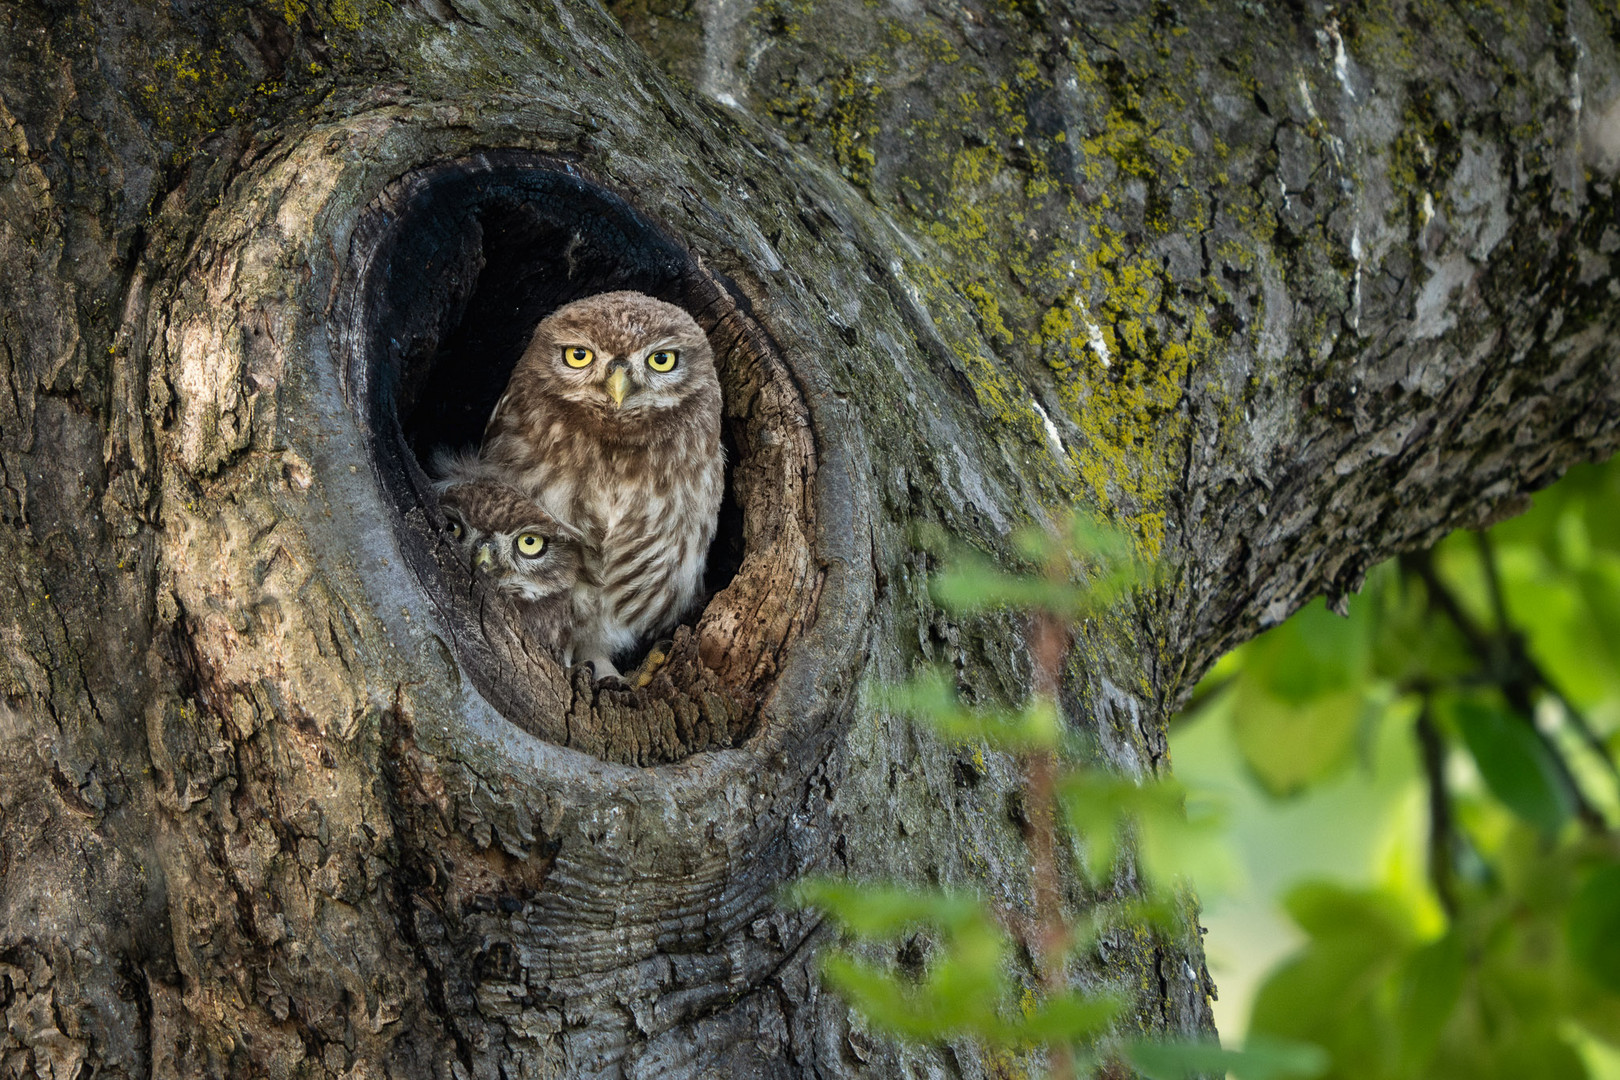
pixel 1285 290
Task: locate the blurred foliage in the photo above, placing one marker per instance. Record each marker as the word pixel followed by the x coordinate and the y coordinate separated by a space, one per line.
pixel 1430 786
pixel 966 990
pixel 1494 657
pixel 1005 978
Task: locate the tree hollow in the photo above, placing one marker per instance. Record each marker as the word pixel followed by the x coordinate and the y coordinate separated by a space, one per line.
pixel 451 268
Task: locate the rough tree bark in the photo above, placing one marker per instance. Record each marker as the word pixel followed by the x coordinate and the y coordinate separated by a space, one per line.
pixel 1286 288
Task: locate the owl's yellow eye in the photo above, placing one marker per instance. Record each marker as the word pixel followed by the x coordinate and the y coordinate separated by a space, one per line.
pixel 578 356
pixel 456 531
pixel 530 544
pixel 663 359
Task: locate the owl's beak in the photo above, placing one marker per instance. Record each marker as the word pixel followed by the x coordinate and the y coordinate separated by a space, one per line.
pixel 618 386
pixel 484 555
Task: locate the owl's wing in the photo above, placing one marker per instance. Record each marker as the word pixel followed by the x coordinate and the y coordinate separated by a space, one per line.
pixel 452 467
pixel 521 395
pixel 511 433
pixel 548 622
pixel 565 532
pixel 499 417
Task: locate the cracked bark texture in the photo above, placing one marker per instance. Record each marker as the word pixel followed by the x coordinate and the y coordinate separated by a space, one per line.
pixel 1286 288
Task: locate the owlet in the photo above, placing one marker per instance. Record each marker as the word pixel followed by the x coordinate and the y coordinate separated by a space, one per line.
pixel 517 550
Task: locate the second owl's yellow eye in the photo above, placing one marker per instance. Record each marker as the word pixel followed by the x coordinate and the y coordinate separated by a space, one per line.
pixel 530 544
pixel 456 530
pixel 578 356
pixel 663 359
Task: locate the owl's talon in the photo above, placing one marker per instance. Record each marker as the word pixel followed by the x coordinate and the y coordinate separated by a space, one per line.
pixel 657 657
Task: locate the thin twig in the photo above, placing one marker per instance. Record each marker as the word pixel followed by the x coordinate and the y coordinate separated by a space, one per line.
pixel 1509 677
pixel 1048 644
pixel 1577 719
pixel 1519 657
pixel 1493 582
pixel 1442 836
pixel 1204 694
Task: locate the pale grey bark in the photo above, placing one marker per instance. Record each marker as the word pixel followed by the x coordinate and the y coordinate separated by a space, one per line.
pixel 1286 290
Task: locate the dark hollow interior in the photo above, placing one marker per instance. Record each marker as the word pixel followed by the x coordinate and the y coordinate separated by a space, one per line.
pixel 466 258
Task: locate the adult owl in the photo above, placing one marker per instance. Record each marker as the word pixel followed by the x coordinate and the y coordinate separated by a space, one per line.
pixel 612 422
pixel 519 551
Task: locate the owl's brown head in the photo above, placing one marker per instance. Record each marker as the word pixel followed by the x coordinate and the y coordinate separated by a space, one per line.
pixel 624 356
pixel 509 541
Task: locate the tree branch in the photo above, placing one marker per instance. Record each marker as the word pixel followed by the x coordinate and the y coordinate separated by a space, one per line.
pixel 1442 833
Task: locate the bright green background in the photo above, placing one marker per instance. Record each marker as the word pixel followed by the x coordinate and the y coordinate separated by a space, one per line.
pixel 1307 736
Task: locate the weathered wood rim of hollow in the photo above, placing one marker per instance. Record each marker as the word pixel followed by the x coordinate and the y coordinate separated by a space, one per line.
pixel 450 268
pixel 581 889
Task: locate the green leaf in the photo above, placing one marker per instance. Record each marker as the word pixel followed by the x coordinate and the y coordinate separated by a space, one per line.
pixel 1594 926
pixel 1097 538
pixel 1312 654
pixel 1081 537
pixel 1325 992
pixel 1072 1018
pixel 1431 985
pixel 1097 805
pixel 1155 911
pixel 930 698
pixel 1085 566
pixel 1184 838
pixel 1410 642
pixel 1516 766
pixel 974 583
pixel 963 999
pixel 1172 844
pixel 1327 911
pixel 1291 746
pixel 965 987
pixel 1261 1059
pixel 1537 1055
pixel 894 1004
pixel 877 911
pixel 1562 614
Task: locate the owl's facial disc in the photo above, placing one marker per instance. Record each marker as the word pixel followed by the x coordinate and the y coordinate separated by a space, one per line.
pixel 623 356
